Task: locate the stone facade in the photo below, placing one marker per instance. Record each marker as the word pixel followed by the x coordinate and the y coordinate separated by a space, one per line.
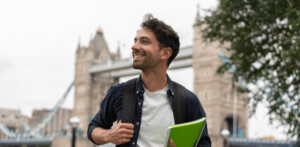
pixel 13 120
pixel 91 89
pixel 215 91
pixel 57 124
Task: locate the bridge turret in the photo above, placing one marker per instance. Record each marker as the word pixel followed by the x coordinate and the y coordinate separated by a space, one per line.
pixel 83 84
pixel 101 52
pixel 117 56
pixel 214 91
pixel 198 13
pixel 78 46
pixel 90 88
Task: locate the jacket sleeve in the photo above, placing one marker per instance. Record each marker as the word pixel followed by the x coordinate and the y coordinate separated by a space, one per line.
pixel 196 111
pixel 105 117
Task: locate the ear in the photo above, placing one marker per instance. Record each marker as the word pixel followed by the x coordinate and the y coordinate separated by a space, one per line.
pixel 166 53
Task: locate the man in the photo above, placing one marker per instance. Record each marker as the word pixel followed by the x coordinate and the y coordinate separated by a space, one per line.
pixel 155 46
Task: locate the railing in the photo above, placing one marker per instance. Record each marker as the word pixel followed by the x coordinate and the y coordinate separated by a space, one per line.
pixel 18 141
pixel 260 142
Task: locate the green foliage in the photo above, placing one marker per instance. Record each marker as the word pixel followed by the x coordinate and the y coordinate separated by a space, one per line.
pixel 265 47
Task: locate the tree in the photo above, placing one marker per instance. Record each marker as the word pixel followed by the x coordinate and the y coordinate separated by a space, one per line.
pixel 264 38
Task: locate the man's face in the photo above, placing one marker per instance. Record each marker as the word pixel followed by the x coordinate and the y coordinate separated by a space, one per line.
pixel 145 50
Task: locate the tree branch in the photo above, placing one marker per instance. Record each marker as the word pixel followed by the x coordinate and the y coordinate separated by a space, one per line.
pixel 292 6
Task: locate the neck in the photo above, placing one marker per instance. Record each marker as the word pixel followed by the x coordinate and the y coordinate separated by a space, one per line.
pixel 154 80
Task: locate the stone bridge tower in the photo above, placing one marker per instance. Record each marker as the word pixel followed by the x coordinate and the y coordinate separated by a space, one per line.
pixel 90 89
pixel 215 91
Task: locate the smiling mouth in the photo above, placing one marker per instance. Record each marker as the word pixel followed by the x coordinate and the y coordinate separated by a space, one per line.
pixel 137 56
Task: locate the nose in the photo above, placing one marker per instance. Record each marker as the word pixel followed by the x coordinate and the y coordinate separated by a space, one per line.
pixel 135 46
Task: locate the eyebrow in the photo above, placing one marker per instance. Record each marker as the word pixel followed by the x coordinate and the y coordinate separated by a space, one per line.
pixel 143 37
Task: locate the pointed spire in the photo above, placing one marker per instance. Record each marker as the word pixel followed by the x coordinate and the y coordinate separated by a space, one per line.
pixel 118 49
pixel 100 31
pixel 79 42
pixel 91 43
pixel 198 12
pixel 198 20
pixel 118 54
pixel 78 46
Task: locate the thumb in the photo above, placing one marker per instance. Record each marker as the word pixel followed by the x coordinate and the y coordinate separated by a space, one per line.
pixel 172 143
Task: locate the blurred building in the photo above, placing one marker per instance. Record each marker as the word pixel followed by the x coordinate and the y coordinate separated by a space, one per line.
pixel 13 120
pixel 57 124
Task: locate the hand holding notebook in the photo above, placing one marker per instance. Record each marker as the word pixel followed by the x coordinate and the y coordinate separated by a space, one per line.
pixel 185 134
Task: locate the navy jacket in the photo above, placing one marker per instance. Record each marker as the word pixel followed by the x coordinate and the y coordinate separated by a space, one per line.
pixel 111 110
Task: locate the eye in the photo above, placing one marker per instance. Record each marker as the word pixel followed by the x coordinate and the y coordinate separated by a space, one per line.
pixel 144 41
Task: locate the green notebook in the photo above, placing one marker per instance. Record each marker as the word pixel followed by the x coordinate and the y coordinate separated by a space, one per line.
pixel 185 134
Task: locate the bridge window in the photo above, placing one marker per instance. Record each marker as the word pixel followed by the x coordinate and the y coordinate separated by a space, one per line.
pixel 239 131
pixel 12 129
pixel 206 72
pixel 229 121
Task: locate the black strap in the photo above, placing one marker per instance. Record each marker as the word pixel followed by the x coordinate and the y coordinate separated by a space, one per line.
pixel 129 101
pixel 180 103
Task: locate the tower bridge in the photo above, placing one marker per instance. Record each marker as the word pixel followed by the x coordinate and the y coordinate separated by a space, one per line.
pixel 97 69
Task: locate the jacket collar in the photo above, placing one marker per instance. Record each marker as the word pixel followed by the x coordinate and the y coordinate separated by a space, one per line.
pixel 140 88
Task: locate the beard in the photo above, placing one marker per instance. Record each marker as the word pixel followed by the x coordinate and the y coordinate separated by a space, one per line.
pixel 136 65
pixel 147 63
pixel 149 60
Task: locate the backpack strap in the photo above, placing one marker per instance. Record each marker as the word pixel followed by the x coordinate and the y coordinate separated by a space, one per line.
pixel 128 101
pixel 180 103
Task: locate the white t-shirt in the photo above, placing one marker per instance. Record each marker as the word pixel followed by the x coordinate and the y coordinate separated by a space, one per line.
pixel 157 115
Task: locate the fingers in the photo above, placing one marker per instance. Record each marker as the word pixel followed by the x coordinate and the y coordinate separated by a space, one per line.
pixel 127 136
pixel 122 133
pixel 125 140
pixel 125 125
pixel 123 137
pixel 126 131
pixel 172 143
pixel 125 128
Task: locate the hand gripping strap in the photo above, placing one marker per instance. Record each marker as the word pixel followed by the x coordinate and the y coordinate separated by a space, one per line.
pixel 180 103
pixel 129 101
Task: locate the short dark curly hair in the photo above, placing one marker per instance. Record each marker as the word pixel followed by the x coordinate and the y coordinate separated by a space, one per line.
pixel 164 34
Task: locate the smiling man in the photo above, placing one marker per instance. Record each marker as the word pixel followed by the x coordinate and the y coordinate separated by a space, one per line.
pixel 155 46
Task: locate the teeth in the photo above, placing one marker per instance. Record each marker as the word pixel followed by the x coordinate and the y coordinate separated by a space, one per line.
pixel 136 56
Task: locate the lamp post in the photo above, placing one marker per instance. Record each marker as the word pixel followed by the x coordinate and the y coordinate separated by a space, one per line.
pixel 74 123
pixel 225 133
